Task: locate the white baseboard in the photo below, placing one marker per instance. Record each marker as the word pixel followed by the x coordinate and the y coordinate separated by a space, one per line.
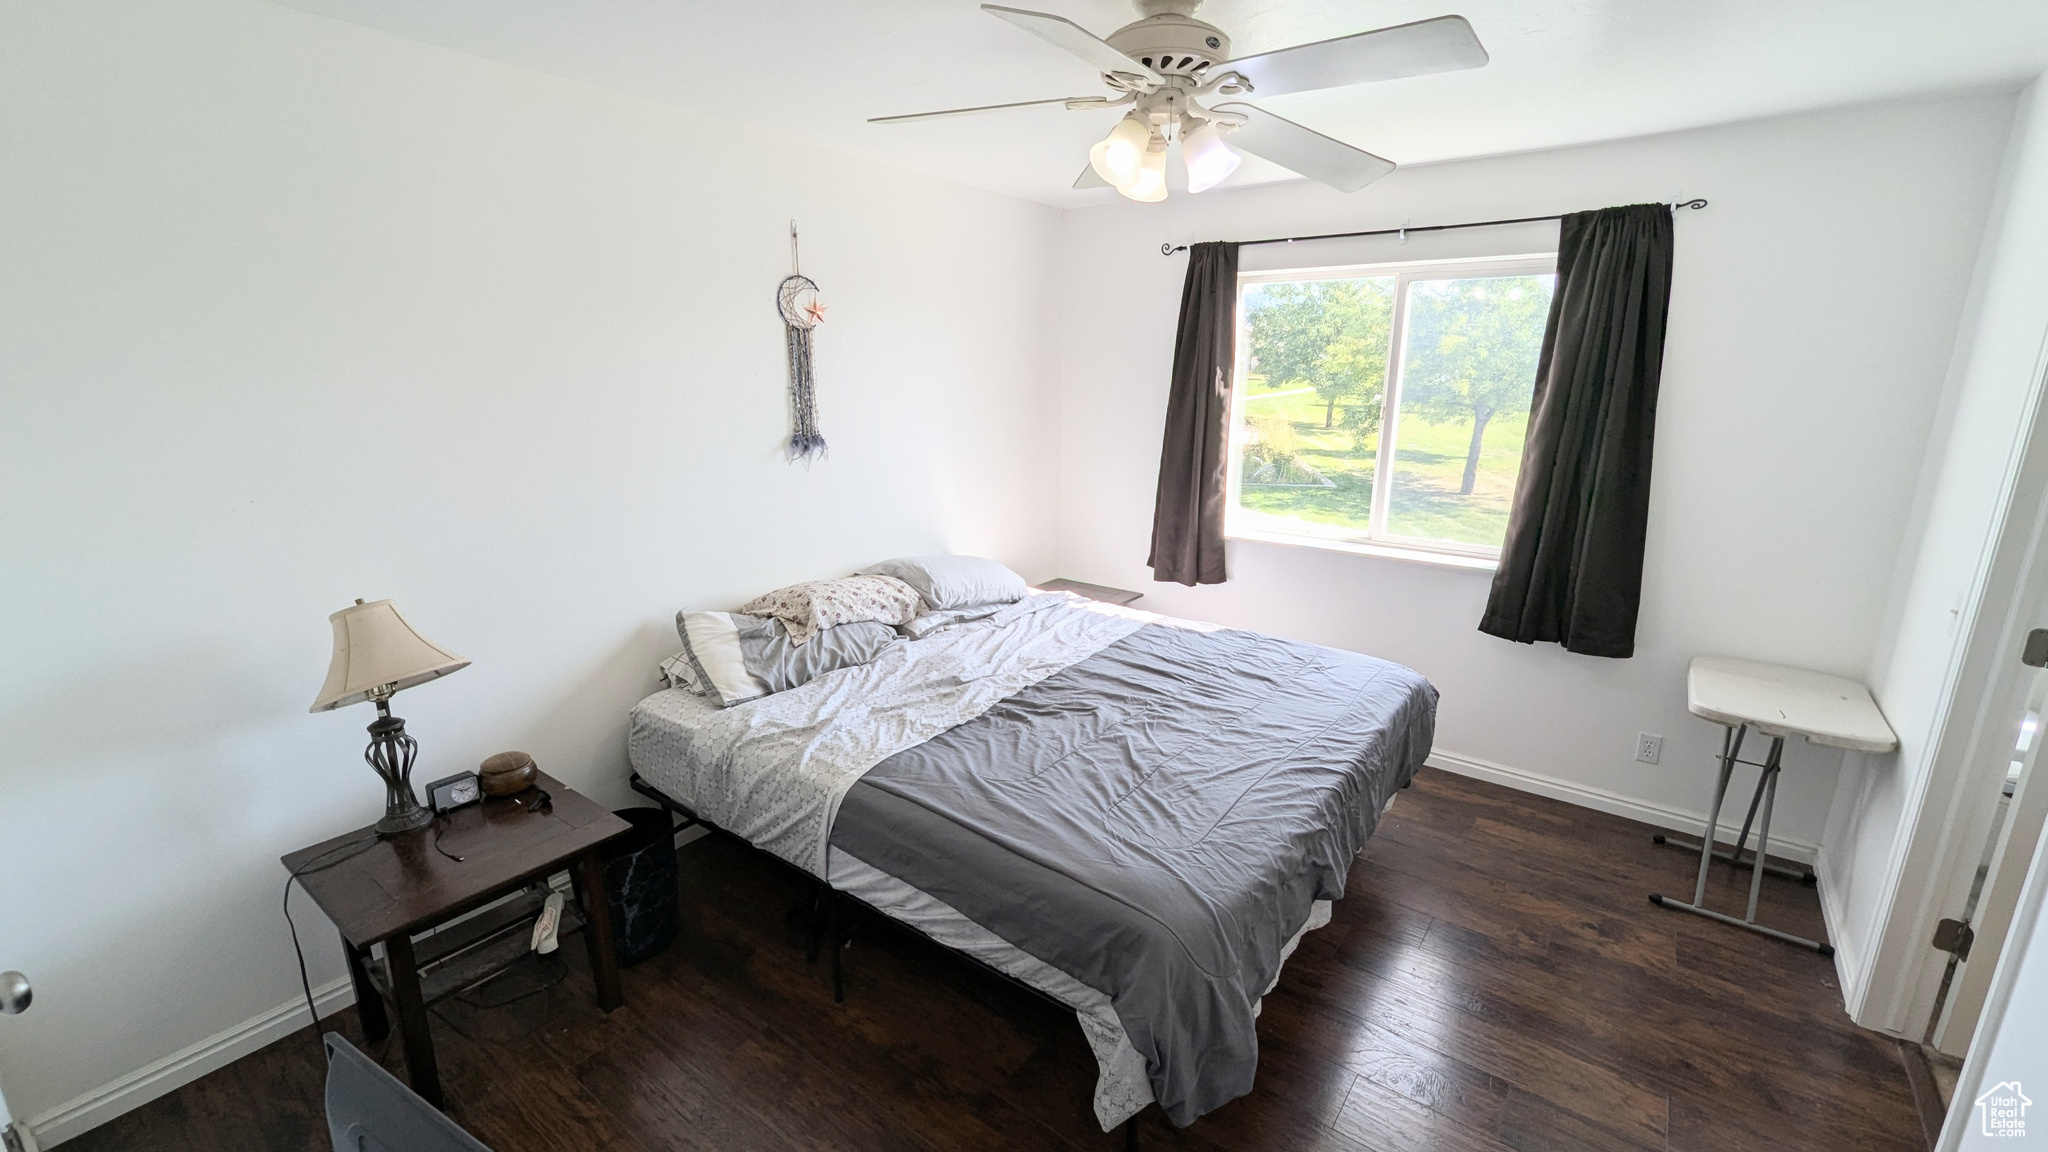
pixel 1613 803
pixel 182 1067
pixel 1849 973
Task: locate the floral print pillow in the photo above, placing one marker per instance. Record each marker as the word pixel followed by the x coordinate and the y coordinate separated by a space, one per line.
pixel 805 608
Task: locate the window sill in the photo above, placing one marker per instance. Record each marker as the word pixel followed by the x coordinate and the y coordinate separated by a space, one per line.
pixel 1383 551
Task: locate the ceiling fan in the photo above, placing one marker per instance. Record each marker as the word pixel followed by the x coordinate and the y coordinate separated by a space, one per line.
pixel 1168 65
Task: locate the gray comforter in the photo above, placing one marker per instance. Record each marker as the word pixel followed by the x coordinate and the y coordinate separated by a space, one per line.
pixel 1156 822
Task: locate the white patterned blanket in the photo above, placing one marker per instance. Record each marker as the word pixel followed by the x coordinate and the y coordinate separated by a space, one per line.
pixel 774 770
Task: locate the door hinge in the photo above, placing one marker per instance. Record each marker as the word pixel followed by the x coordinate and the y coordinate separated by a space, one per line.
pixel 11 1137
pixel 1954 936
pixel 2035 654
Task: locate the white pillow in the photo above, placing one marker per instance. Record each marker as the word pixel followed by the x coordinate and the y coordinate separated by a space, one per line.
pixel 949 582
pixel 712 642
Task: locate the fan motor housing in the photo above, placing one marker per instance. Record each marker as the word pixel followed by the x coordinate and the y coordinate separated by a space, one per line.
pixel 1173 45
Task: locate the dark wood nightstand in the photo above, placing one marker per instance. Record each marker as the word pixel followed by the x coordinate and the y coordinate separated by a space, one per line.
pixel 399 887
pixel 1102 592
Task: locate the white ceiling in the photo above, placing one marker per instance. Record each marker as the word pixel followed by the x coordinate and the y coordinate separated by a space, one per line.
pixel 1563 71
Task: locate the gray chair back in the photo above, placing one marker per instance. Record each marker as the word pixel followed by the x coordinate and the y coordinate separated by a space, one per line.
pixel 370 1110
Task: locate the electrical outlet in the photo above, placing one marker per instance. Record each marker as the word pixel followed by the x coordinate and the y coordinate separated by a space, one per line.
pixel 1649 747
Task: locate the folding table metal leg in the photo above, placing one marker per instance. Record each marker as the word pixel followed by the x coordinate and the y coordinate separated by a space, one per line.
pixel 1731 749
pixel 1731 755
pixel 1765 796
pixel 1769 785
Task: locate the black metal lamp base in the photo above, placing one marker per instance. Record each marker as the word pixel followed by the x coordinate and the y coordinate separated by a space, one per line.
pixel 394 823
pixel 390 756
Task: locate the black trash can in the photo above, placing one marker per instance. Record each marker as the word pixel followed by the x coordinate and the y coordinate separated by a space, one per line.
pixel 640 882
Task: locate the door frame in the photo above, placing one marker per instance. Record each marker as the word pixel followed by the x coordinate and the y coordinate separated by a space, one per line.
pixel 1999 906
pixel 1948 817
pixel 2026 916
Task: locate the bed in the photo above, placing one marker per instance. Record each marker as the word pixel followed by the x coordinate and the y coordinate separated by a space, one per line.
pixel 1136 816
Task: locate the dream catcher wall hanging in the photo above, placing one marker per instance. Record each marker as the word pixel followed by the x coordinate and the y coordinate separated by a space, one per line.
pixel 797 299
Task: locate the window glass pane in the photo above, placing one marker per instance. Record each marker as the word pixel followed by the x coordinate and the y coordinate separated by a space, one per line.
pixel 1317 375
pixel 1468 370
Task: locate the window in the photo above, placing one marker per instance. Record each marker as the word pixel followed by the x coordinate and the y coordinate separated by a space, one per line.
pixel 1386 405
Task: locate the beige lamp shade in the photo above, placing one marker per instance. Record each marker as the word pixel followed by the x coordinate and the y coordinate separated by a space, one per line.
pixel 377 652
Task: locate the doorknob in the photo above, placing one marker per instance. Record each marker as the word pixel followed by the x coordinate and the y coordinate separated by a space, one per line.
pixel 15 994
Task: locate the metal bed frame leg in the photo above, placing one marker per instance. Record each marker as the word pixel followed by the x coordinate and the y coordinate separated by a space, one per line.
pixel 1131 1135
pixel 1766 796
pixel 837 939
pixel 816 928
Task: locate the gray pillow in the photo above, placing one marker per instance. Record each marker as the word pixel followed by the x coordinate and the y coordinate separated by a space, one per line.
pixel 779 662
pixel 949 582
pixel 739 658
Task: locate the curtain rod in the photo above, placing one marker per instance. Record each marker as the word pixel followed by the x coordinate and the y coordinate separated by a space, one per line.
pixel 1170 248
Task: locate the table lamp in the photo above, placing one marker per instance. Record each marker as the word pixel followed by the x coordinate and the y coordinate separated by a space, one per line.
pixel 377 654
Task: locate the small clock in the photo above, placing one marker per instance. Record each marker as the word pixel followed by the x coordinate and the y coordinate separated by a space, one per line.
pixel 448 794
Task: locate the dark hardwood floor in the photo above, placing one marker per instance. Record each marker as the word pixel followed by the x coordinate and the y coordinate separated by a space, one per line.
pixel 1496 979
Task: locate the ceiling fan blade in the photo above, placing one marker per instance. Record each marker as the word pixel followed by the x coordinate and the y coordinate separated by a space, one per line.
pixel 1304 150
pixel 1445 44
pixel 1061 32
pixel 1090 178
pixel 905 119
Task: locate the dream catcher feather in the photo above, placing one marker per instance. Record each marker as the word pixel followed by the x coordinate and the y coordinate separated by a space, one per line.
pixel 797 299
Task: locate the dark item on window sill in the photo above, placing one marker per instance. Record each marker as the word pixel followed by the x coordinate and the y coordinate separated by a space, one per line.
pixel 451 792
pixel 1101 592
pixel 393 889
pixel 508 774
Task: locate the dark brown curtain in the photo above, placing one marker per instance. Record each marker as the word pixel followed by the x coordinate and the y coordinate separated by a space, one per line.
pixel 1571 570
pixel 1187 516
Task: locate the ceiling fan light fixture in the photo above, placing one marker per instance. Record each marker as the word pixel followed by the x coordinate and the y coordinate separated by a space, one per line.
pixel 1150 185
pixel 1209 159
pixel 1120 157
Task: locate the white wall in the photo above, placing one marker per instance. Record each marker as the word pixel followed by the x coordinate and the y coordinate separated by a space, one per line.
pixel 1813 310
pixel 1948 615
pixel 293 312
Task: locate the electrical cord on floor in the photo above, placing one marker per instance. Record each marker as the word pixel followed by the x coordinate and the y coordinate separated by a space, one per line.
pixel 319 863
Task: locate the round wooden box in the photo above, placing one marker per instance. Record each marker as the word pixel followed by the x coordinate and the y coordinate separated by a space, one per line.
pixel 508 774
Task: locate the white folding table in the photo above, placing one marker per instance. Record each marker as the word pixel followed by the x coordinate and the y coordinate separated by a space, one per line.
pixel 1777 702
